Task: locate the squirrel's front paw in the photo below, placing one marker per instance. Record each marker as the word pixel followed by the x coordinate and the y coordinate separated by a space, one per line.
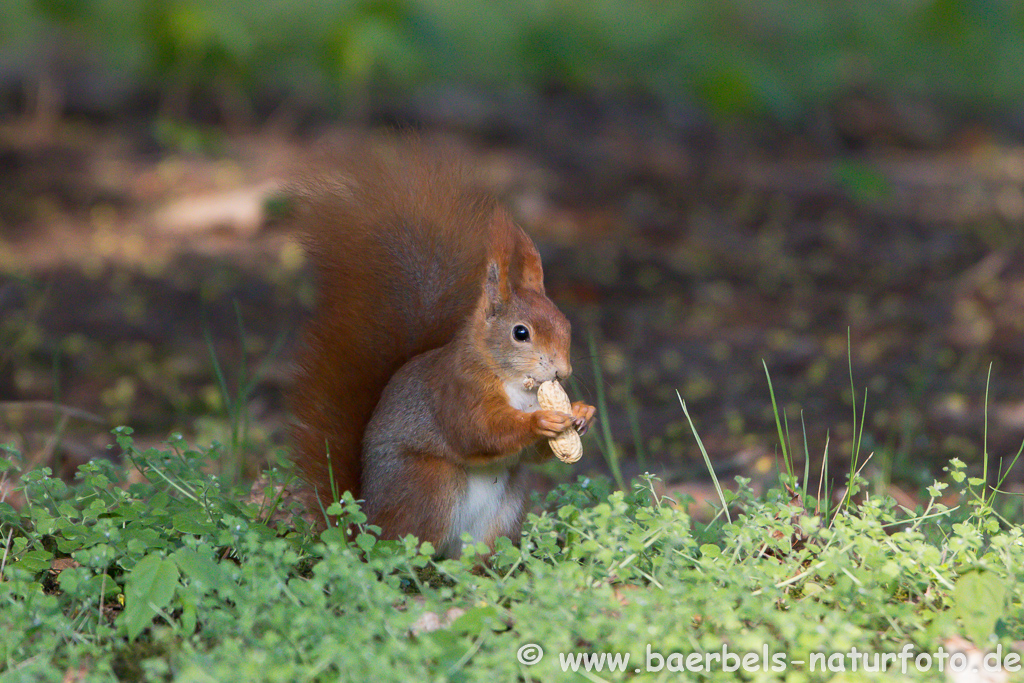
pixel 550 423
pixel 582 416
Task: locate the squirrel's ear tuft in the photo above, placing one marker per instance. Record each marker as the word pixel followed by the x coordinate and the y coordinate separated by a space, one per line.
pixel 532 273
pixel 528 274
pixel 495 288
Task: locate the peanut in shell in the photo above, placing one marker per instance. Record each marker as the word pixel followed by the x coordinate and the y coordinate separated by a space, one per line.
pixel 567 446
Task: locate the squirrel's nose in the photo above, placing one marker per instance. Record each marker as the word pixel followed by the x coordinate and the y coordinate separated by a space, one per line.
pixel 562 369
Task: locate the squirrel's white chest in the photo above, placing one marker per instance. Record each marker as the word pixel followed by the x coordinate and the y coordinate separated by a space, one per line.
pixel 520 398
pixel 486 508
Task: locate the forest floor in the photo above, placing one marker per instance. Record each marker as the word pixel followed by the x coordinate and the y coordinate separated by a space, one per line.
pixel 131 269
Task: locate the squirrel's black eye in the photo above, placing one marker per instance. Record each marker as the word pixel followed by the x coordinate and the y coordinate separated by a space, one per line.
pixel 521 333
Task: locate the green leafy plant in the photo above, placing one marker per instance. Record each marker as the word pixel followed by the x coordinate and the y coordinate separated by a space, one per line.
pixel 157 570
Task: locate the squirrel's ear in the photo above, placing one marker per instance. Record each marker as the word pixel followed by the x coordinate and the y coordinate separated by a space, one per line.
pixel 495 288
pixel 526 271
pixel 532 274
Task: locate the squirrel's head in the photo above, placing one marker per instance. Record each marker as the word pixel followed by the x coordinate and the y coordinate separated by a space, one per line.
pixel 523 331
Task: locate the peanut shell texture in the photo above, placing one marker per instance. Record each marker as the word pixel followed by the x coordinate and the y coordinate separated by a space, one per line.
pixel 567 446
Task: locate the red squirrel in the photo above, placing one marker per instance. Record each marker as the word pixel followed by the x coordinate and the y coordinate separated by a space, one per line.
pixel 430 324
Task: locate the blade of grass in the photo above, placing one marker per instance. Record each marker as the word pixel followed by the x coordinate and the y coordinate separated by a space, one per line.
pixel 229 404
pixel 611 454
pixel 857 433
pixel 778 422
pixel 633 415
pixel 807 459
pixel 240 422
pixel 217 370
pixel 790 469
pixel 984 434
pixel 823 478
pixel 1003 475
pixel 707 459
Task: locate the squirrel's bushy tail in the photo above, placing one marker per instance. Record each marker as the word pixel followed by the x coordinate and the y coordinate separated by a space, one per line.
pixel 399 242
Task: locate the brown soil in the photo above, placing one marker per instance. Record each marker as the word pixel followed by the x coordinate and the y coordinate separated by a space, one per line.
pixel 688 259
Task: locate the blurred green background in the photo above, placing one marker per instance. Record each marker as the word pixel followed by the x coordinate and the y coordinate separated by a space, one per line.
pixel 783 58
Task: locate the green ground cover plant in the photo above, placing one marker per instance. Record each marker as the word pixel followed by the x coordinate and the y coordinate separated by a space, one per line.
pixel 157 571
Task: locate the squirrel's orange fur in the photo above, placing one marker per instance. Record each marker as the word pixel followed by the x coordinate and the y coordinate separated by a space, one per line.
pixel 410 384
